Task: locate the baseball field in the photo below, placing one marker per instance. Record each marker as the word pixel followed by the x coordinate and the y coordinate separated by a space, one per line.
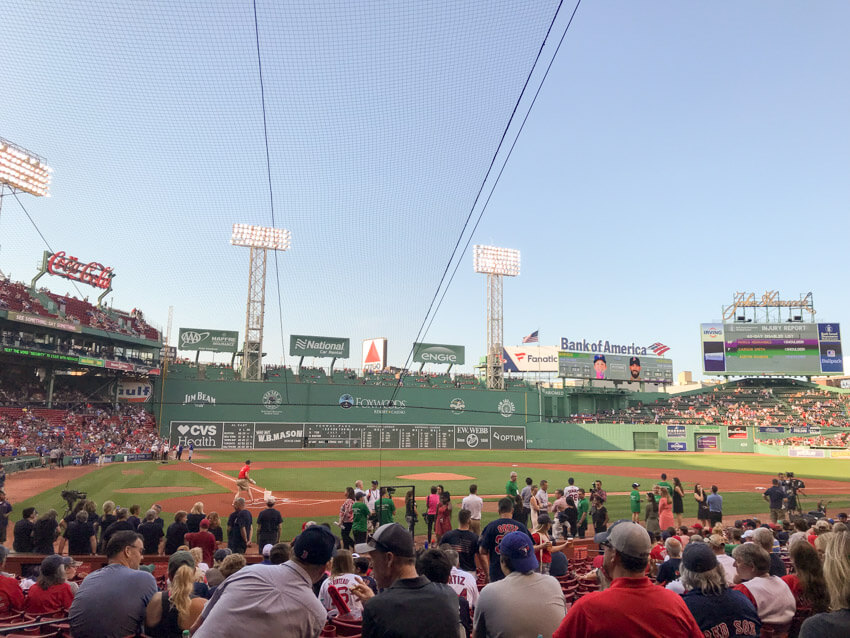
pixel 309 485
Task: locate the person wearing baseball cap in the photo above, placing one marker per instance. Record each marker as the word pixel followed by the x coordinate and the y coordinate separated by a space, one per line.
pixel 718 610
pixel 409 604
pixel 600 366
pixel 634 503
pixel 632 605
pixel 634 368
pixel 204 539
pixel 542 609
pixel 175 609
pixel 280 596
pixel 718 545
pixel 51 592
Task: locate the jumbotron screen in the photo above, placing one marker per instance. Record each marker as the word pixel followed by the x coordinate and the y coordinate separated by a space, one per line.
pixel 614 367
pixel 801 349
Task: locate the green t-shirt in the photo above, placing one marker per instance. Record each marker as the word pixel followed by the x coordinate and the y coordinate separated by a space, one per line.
pixel 511 489
pixel 634 500
pixel 361 515
pixel 668 486
pixel 583 508
pixel 386 507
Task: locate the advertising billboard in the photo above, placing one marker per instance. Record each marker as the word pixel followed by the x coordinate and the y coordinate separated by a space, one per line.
pixel 438 353
pixel 208 340
pixel 801 349
pixel 530 358
pixel 374 354
pixel 615 367
pixel 307 346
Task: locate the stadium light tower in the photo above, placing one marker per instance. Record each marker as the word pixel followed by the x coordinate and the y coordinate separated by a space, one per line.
pixel 495 263
pixel 260 240
pixel 21 170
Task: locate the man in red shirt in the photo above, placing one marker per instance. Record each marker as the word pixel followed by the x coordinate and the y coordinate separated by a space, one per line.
pixel 243 481
pixel 632 605
pixel 203 539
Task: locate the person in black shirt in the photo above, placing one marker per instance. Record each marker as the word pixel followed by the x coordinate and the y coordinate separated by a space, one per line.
pixel 599 516
pixel 193 520
pixel 123 524
pixel 669 570
pixel 239 527
pixel 176 531
pixel 79 535
pixel 464 542
pixel 134 517
pixel 105 521
pixel 152 533
pixel 775 495
pixel 45 532
pixel 23 531
pixel 268 524
pixel 215 526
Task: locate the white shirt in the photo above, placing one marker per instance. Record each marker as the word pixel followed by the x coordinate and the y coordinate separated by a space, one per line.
pixel 572 490
pixel 371 498
pixel 543 500
pixel 462 581
pixel 474 504
pixel 728 566
pixel 342 582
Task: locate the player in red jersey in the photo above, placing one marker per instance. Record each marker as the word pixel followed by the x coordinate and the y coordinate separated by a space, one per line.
pixel 244 481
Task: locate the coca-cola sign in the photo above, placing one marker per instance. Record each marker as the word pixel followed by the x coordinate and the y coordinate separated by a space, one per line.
pixel 69 267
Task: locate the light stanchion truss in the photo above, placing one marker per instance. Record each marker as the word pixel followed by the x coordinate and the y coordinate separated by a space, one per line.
pixel 496 263
pixel 260 240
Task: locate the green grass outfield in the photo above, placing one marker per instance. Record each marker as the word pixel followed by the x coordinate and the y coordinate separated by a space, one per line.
pixel 102 485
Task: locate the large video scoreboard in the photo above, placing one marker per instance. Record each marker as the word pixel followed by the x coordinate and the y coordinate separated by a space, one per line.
pixel 800 349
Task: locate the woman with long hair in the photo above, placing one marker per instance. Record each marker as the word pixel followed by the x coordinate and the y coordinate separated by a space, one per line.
pixel 346 518
pixel 172 612
pixel 543 546
pixel 665 508
pixel 702 505
pixel 51 593
pixel 45 532
pixel 570 516
pixel 410 513
pixel 444 515
pixel 432 503
pixel 650 518
pixel 678 503
pixel 215 526
pixel 343 578
pixel 836 571
pixel 194 518
pixel 807 583
pixel 106 520
pixel 535 505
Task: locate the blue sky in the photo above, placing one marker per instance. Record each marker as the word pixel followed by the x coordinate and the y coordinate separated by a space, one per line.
pixel 678 152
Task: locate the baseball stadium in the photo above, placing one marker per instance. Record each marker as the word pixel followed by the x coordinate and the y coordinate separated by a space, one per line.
pixel 292 438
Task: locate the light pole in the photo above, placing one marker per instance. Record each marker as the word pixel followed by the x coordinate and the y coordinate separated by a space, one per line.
pixel 21 170
pixel 260 240
pixel 495 263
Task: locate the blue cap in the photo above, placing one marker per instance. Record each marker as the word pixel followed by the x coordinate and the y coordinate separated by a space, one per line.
pixel 517 546
pixel 599 357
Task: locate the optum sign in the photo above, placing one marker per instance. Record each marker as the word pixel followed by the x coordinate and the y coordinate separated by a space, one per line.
pixel 438 353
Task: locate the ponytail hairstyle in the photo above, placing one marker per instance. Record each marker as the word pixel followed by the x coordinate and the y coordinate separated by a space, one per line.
pixel 182 584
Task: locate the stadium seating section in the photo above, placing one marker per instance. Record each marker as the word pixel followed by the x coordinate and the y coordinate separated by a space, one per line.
pixel 18 297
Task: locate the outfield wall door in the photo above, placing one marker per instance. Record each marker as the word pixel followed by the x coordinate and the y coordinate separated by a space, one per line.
pixel 646 441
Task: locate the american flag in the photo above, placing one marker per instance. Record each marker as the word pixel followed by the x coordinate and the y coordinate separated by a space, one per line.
pixel 532 338
pixel 659 348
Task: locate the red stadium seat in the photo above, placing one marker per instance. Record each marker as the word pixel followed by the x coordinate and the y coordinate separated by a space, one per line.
pixel 344 628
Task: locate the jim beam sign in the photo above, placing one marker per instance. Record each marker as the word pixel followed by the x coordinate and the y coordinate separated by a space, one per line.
pixel 69 267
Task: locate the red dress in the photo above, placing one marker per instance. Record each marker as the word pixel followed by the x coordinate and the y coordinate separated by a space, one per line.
pixel 665 514
pixel 444 520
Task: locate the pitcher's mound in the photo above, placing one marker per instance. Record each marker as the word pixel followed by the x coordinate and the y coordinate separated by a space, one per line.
pixel 437 476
